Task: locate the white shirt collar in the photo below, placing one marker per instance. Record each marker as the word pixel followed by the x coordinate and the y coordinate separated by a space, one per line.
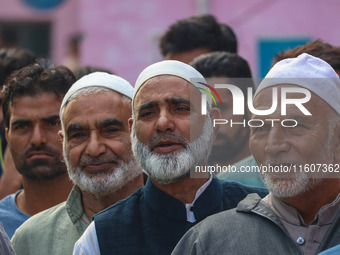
pixel 190 213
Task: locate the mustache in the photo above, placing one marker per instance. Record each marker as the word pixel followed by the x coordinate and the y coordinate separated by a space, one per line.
pixel 169 136
pixel 86 160
pixel 43 147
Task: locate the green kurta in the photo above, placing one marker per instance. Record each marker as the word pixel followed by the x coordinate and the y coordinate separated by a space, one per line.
pixel 53 231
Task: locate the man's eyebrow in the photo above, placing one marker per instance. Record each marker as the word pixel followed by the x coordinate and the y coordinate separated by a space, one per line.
pixel 20 121
pixel 177 100
pixel 50 118
pixel 110 122
pixel 147 105
pixel 74 127
pixel 172 100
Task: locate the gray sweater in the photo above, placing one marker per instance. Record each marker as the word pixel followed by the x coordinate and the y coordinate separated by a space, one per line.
pixel 251 228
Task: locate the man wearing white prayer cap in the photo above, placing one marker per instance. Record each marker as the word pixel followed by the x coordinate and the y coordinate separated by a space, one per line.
pixel 154 218
pixel 301 214
pixel 97 151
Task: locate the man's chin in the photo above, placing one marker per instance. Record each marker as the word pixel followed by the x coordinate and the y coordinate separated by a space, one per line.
pixel 43 173
pixel 169 180
pixel 96 178
pixel 285 187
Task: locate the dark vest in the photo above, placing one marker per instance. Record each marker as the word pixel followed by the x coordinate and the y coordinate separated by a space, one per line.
pixel 152 222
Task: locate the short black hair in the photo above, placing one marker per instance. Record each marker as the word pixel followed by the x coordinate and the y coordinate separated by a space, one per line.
pixel 224 64
pixel 14 59
pixel 84 70
pixel 198 32
pixel 316 48
pixel 34 79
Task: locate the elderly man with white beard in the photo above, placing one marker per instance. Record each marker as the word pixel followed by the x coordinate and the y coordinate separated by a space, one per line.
pixel 97 151
pixel 301 214
pixel 153 219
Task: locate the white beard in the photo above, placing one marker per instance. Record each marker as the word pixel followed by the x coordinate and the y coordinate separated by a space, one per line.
pixel 103 183
pixel 172 167
pixel 296 183
pixel 287 187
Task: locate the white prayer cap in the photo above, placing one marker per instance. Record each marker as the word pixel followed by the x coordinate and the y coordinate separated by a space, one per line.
pixel 309 72
pixel 171 67
pixel 99 79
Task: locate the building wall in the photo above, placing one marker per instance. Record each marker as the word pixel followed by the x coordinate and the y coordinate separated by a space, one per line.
pixel 255 20
pixel 122 35
pixel 64 19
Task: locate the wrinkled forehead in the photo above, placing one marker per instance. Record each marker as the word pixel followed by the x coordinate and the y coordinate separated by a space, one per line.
pixel 102 104
pixel 165 81
pixel 164 87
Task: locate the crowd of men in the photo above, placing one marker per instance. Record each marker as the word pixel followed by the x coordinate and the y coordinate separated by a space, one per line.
pixel 104 167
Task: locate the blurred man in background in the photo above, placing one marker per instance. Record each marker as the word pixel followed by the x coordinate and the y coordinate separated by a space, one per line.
pixel 11 59
pixel 232 140
pixel 316 48
pixel 190 37
pixel 31 101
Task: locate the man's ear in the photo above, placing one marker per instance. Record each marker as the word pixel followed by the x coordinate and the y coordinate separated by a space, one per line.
pixel 215 114
pixel 61 136
pixel 130 124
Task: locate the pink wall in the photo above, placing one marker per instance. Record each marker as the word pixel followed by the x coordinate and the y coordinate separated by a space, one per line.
pixel 122 35
pixel 64 19
pixel 269 18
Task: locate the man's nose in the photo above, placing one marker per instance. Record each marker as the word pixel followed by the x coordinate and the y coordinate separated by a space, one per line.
pixel 38 135
pixel 95 145
pixel 276 142
pixel 165 122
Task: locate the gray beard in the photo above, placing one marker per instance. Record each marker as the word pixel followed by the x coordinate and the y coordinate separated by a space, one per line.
pixel 107 183
pixel 172 167
pixel 296 183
